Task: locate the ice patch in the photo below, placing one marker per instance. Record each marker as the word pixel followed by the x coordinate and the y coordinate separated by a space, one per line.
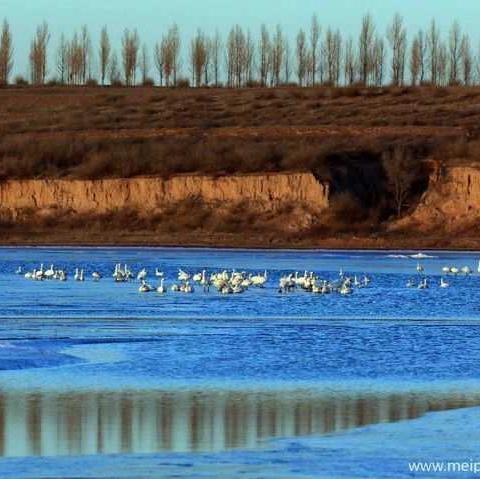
pixel 97 353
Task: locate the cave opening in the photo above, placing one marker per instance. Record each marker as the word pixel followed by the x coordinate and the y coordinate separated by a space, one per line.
pixel 361 177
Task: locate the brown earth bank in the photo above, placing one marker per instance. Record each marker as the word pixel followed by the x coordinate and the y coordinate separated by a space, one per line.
pixel 278 210
pixel 287 167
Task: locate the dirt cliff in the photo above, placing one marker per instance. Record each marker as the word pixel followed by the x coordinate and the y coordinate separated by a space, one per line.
pixel 450 203
pixel 147 194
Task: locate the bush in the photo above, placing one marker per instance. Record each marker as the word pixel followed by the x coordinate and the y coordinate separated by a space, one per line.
pixel 21 81
pixel 352 91
pixel 183 83
pixel 148 82
pixel 253 84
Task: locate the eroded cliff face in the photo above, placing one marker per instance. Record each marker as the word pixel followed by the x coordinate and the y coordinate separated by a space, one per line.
pixel 146 195
pixel 451 202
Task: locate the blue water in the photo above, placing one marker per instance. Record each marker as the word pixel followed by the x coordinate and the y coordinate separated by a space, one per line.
pixel 95 369
pixel 387 298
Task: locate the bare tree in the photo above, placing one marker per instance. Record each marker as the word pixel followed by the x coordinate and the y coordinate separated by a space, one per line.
pixel 278 52
pixel 442 70
pixel 144 64
pixel 38 54
pixel 400 176
pixel 130 48
pixel 415 60
pixel 366 44
pixel 422 51
pixel 159 61
pixel 466 59
pixel 477 64
pixel 315 57
pixel 309 69
pixel 216 47
pixel 397 37
pixel 350 63
pixel 62 60
pixel 264 55
pixel 433 41
pixel 314 39
pixel 454 50
pixel 332 49
pixel 378 61
pixel 74 56
pixel 302 57
pixel 240 57
pixel 287 63
pixel 166 60
pixel 85 54
pixel 249 58
pixel 230 57
pixel 6 53
pixel 104 54
pixel 198 57
pixel 114 70
pixel 418 58
pixel 208 60
pixel 173 45
pixel 77 55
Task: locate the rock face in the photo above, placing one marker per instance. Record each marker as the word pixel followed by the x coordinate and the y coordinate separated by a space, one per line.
pixel 451 202
pixel 261 191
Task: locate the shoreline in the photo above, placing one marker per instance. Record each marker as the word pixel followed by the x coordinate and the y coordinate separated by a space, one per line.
pixel 233 242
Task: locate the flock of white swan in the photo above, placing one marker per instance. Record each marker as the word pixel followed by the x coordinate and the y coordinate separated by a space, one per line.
pixel 225 281
pixel 237 282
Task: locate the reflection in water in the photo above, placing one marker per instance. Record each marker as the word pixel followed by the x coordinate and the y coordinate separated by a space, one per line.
pixel 107 423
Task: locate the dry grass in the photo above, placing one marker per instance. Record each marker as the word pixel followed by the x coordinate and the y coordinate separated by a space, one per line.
pixel 96 132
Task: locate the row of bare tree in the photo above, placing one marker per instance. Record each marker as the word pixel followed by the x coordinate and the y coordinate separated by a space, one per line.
pixel 317 57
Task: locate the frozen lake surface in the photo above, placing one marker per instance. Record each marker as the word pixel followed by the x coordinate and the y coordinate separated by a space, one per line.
pixel 97 376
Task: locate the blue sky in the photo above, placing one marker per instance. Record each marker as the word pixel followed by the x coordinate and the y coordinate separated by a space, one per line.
pixel 152 17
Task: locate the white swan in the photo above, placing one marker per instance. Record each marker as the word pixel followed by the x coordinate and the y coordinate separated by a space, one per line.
pixel 423 284
pixel 183 275
pixel 145 288
pixel 142 274
pixel 204 281
pixel 197 277
pixel 466 270
pixel 50 272
pixel 443 283
pixel 259 279
pixel 79 276
pixel 97 276
pixel 161 288
pixel 30 274
pixel 420 268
